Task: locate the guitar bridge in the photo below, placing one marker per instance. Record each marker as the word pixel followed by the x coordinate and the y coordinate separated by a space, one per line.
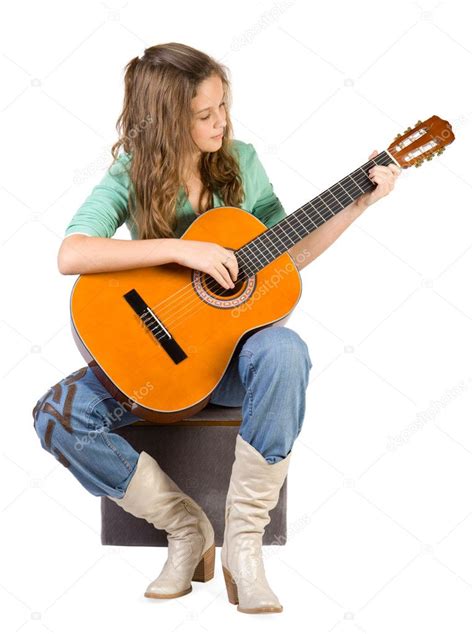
pixel 155 327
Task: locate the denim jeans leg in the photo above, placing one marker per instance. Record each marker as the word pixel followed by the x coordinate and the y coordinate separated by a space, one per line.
pixel 230 391
pixel 268 377
pixel 73 421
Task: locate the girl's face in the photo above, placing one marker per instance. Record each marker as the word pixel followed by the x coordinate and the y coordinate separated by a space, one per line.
pixel 209 116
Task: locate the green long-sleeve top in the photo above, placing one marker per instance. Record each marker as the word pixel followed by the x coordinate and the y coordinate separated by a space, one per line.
pixel 106 207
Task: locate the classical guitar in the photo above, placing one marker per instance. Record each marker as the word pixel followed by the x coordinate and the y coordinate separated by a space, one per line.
pixel 160 338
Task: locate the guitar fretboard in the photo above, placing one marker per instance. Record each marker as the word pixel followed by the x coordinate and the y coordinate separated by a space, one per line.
pixel 273 242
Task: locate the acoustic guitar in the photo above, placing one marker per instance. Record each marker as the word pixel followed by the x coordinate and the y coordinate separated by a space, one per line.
pixel 160 338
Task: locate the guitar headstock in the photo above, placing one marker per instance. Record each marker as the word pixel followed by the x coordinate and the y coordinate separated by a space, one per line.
pixel 422 142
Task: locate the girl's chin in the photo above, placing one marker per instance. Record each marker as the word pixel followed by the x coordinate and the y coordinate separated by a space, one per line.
pixel 213 145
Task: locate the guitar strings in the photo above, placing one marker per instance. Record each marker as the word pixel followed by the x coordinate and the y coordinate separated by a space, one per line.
pixel 214 286
pixel 177 316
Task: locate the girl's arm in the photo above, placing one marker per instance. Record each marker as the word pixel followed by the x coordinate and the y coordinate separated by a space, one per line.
pixel 80 254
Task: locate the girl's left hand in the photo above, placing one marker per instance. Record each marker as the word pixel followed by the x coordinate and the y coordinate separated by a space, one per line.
pixel 385 177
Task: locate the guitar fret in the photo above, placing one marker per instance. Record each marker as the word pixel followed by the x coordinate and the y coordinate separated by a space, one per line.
pixel 323 212
pixel 325 202
pixel 355 183
pixel 344 196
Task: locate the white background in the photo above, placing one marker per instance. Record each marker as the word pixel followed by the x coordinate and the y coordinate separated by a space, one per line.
pixel 380 495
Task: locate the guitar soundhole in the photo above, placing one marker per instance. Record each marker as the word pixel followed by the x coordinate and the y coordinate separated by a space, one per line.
pixel 214 287
pixel 212 293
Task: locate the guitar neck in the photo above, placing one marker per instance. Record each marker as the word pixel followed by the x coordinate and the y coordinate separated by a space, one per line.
pixel 267 246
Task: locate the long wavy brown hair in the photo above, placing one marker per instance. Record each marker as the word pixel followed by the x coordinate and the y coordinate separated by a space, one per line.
pixel 154 128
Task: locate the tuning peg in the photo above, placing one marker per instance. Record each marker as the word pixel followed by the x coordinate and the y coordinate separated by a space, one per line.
pixel 429 158
pixel 440 151
pixel 397 137
pixel 418 122
pixel 407 130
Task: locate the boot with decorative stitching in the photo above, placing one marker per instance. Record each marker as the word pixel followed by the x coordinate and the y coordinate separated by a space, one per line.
pixel 254 489
pixel 152 495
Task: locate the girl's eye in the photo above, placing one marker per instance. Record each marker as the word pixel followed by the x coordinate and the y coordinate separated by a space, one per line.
pixel 204 118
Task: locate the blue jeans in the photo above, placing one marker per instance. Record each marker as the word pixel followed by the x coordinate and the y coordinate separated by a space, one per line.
pixel 267 376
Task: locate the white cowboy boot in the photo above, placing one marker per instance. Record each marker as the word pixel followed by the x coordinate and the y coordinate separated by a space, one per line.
pixel 152 495
pixel 254 490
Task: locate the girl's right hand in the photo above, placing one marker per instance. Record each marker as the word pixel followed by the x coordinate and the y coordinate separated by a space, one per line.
pixel 208 257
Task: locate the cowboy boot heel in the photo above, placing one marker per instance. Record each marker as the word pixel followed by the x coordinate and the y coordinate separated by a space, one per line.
pixel 231 587
pixel 205 568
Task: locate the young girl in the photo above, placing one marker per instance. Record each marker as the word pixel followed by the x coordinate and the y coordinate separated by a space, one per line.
pixel 179 159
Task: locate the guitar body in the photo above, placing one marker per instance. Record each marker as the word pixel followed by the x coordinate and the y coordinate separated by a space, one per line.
pixel 163 365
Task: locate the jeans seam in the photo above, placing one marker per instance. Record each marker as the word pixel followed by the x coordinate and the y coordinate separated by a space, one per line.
pixel 99 399
pixel 107 441
pixel 249 390
pixel 249 355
